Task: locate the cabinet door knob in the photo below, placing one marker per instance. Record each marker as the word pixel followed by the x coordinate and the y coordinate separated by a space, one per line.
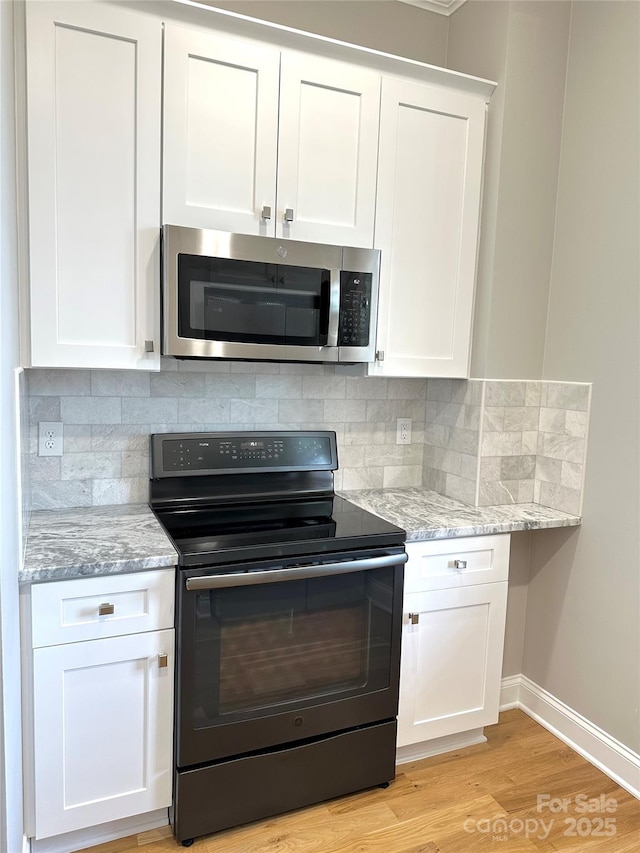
pixel 106 609
pixel 149 346
pixel 459 564
pixel 288 214
pixel 266 211
pixel 162 660
pixel 414 618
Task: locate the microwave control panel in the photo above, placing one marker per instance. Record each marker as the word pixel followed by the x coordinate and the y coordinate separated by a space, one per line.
pixel 355 309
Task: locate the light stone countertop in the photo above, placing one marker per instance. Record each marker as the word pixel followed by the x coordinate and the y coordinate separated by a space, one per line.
pixel 427 515
pixel 81 542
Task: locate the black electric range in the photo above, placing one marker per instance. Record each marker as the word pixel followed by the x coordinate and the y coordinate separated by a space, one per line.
pixel 288 627
pixel 225 497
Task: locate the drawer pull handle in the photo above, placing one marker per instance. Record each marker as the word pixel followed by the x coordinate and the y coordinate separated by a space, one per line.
pixel 162 660
pixel 459 564
pixel 414 618
pixel 106 609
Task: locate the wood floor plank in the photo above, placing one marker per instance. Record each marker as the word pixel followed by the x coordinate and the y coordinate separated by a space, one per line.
pixel 567 783
pixel 435 794
pixel 352 802
pixel 297 833
pixel 406 835
pixel 451 803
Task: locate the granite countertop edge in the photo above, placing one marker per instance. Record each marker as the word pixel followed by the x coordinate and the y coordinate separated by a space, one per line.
pixel 89 542
pixel 77 543
pixel 427 515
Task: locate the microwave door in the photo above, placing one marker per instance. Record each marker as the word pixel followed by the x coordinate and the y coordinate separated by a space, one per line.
pixel 242 306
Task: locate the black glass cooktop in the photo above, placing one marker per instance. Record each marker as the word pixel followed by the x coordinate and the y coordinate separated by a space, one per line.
pixel 249 496
pixel 219 535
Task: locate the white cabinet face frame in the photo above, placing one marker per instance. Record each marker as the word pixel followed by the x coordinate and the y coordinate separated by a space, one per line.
pixel 103 714
pixel 427 215
pixel 220 132
pixel 93 115
pixel 451 661
pixel 327 151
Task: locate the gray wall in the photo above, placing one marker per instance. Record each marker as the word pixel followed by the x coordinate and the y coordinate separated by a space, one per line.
pixel 10 743
pixel 582 632
pixel 522 45
pixel 379 24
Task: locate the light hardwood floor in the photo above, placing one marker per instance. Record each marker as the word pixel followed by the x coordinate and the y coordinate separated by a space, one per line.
pixel 483 798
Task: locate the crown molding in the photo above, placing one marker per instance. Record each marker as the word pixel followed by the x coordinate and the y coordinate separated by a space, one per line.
pixel 441 7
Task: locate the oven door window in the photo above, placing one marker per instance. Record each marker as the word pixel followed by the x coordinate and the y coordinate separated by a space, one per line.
pixel 248 302
pixel 260 650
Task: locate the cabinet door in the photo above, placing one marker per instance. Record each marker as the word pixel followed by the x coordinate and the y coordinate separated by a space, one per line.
pixel 103 714
pixel 451 661
pixel 220 132
pixel 327 151
pixel 427 212
pixel 93 95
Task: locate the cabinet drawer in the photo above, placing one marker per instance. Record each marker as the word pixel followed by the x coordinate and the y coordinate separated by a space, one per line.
pixel 447 563
pixel 92 608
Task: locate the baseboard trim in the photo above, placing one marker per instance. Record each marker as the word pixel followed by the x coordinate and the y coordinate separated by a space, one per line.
pixel 601 749
pixel 81 838
pixel 438 745
pixel 510 692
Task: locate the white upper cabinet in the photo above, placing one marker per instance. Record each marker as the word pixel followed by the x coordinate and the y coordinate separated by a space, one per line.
pixel 220 132
pixel 93 149
pixel 427 216
pixel 328 150
pixel 259 142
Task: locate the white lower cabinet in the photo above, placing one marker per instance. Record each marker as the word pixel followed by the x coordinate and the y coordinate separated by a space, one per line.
pixel 453 635
pixel 102 708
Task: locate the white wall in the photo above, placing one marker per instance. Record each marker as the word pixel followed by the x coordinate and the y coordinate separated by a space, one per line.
pixel 10 743
pixel 582 640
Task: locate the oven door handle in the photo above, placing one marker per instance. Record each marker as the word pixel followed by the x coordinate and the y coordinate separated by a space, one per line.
pixel 297 573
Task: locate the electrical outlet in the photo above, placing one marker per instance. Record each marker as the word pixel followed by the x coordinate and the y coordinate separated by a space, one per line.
pixel 50 438
pixel 403 431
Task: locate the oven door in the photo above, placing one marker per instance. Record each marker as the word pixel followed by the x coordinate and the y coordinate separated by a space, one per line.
pixel 270 654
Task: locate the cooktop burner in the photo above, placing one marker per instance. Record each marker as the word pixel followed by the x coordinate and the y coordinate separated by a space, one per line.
pixel 223 497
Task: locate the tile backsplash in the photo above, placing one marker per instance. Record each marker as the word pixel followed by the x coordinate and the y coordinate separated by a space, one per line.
pixel 481 442
pixel 108 416
pixel 491 442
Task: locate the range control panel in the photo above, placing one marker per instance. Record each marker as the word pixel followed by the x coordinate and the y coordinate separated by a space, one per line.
pixel 355 309
pixel 211 453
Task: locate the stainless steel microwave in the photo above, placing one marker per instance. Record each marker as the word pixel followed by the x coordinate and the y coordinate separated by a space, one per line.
pixel 235 296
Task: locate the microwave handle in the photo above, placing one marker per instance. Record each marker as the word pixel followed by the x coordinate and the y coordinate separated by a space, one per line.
pixel 334 308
